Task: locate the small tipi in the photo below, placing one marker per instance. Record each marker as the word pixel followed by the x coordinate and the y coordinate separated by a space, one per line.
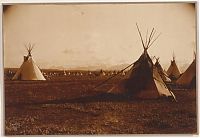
pixel 102 73
pixel 173 71
pixel 162 73
pixel 188 78
pixel 64 73
pixel 143 80
pixel 28 70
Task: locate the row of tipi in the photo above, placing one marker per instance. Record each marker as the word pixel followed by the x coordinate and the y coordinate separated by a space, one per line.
pixel 144 80
pixel 187 79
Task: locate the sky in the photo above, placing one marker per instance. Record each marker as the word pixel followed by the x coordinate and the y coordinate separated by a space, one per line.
pixel 98 35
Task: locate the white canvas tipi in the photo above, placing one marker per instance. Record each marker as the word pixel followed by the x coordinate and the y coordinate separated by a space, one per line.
pixel 28 70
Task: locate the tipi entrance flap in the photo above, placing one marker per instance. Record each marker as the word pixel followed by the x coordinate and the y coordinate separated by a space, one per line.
pixel 160 85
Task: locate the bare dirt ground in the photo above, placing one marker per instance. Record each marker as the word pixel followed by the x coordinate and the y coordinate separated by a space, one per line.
pixel 44 108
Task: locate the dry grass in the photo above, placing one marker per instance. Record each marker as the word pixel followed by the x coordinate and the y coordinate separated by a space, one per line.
pixel 42 108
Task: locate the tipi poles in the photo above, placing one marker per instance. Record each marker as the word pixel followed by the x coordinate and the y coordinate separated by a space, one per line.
pixel 148 42
pixel 194 55
pixel 29 48
pixel 140 36
pixel 173 56
pixel 146 38
pixel 154 40
pixel 150 37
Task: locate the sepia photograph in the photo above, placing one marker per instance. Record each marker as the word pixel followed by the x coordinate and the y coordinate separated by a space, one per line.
pixel 100 68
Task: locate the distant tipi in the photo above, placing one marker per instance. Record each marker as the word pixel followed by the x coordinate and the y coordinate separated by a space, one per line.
pixel 188 78
pixel 102 73
pixel 143 80
pixel 28 70
pixel 173 71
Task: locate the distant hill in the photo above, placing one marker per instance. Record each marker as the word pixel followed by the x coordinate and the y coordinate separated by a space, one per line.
pixel 104 67
pixel 92 68
pixel 182 67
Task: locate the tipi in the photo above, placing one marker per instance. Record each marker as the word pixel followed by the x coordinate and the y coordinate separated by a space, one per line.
pixel 188 78
pixel 162 73
pixel 28 70
pixel 143 80
pixel 173 71
pixel 64 72
pixel 102 73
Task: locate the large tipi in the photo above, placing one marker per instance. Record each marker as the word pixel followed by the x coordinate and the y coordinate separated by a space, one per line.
pixel 188 78
pixel 173 71
pixel 162 73
pixel 28 70
pixel 143 80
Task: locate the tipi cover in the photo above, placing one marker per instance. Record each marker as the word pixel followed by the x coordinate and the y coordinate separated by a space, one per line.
pixel 28 70
pixel 189 76
pixel 173 71
pixel 162 73
pixel 143 81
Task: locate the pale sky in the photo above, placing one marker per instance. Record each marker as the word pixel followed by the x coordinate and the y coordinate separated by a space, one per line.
pixel 81 35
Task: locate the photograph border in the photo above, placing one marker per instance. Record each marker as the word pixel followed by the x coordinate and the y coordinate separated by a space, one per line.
pixel 60 2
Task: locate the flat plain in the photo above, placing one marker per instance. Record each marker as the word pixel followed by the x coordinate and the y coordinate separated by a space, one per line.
pixel 68 106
